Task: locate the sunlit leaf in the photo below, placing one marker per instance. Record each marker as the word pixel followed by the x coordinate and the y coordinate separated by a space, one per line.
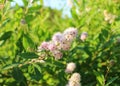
pixel 28 42
pixel 99 77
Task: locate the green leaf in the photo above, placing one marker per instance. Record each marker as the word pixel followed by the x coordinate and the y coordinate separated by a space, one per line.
pixel 28 55
pixel 10 66
pixel 0 16
pixel 17 74
pixel 5 22
pixel 2 43
pixel 101 38
pixel 25 2
pixel 112 80
pixel 105 32
pixel 37 67
pixel 27 42
pixel 6 35
pixel 29 18
pixel 99 77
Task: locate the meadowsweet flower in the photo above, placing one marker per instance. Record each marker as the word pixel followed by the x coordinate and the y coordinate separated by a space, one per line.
pixel 43 46
pixel 83 36
pixel 70 34
pixel 70 67
pixel 60 41
pixel 57 37
pixel 72 83
pixel 65 45
pixel 52 46
pixel 74 80
pixel 57 54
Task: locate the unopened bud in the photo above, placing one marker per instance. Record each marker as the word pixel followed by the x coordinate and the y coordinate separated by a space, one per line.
pixel 83 36
pixel 23 21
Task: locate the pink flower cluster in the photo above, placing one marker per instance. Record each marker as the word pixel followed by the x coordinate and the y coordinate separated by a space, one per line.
pixel 61 42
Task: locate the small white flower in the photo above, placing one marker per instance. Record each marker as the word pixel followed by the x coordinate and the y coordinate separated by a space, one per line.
pixel 75 77
pixel 74 80
pixel 70 67
pixel 73 83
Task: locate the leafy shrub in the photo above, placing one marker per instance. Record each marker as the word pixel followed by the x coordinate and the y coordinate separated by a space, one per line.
pixel 95 60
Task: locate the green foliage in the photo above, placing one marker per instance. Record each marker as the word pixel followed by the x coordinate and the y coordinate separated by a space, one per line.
pixel 22 29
